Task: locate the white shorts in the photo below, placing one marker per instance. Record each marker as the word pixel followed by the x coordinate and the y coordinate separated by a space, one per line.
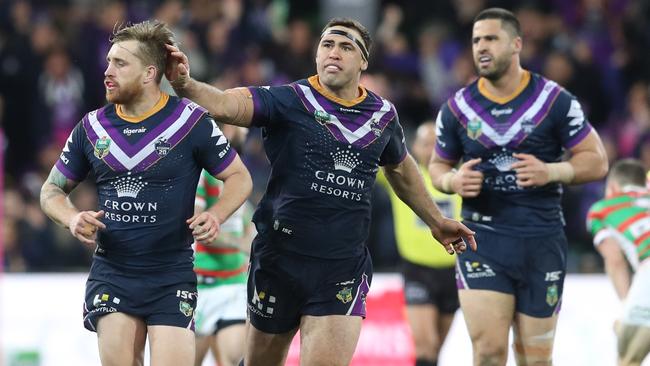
pixel 219 304
pixel 636 309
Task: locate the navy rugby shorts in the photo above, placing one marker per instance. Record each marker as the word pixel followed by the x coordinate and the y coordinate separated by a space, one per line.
pixel 156 298
pixel 282 287
pixel 530 268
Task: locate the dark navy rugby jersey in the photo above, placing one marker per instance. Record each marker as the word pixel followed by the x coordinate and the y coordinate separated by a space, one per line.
pixel 146 175
pixel 325 153
pixel 542 120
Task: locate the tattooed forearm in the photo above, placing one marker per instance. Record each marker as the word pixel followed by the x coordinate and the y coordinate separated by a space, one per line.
pixel 54 197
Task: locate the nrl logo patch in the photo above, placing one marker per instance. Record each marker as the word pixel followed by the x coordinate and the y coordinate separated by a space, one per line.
pixel 474 129
pixel 102 147
pixel 162 146
pixel 552 295
pixel 345 295
pixel 322 117
pixel 185 308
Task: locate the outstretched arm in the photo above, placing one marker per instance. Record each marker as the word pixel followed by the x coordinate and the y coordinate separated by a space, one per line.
pixel 233 106
pixel 615 265
pixel 407 182
pixel 237 186
pixel 55 203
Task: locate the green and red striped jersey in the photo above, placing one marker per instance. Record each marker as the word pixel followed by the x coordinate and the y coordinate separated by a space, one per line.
pixel 627 218
pixel 214 265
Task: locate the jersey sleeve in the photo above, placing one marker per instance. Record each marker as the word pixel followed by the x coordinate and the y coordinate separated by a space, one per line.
pixel 448 146
pixel 267 103
pixel 596 226
pixel 73 162
pixel 214 152
pixel 395 151
pixel 573 126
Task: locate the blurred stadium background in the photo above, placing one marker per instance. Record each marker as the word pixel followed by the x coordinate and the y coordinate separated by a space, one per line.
pixel 52 58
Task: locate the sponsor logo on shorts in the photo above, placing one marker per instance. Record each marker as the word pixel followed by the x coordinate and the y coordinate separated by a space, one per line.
pixel 552 295
pixel 185 308
pixel 261 304
pixel 100 300
pixel 553 276
pixel 477 270
pixel 103 309
pixel 345 295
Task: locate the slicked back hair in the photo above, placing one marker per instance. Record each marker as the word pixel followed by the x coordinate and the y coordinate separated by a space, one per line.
pixel 152 36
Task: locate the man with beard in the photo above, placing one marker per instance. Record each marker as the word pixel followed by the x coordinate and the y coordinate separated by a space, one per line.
pixel 326 137
pixel 145 151
pixel 510 129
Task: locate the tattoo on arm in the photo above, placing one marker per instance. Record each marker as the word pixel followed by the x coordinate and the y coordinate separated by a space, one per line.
pixel 57 178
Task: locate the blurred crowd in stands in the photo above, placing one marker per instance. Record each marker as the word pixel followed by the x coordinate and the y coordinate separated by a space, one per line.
pixel 52 59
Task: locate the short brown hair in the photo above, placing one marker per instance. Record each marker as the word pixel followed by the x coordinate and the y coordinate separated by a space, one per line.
pixel 628 172
pixel 152 36
pixel 507 18
pixel 354 24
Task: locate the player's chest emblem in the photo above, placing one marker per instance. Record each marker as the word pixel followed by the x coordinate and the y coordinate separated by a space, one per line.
pixel 528 126
pixel 474 128
pixel 102 147
pixel 322 117
pixel 375 127
pixel 162 146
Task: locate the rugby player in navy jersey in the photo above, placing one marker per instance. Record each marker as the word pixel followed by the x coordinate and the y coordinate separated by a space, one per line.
pixel 325 137
pixel 510 129
pixel 145 151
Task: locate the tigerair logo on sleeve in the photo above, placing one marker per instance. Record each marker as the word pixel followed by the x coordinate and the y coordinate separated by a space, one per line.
pixel 102 147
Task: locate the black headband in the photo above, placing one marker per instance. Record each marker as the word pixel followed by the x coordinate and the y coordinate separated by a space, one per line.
pixel 348 35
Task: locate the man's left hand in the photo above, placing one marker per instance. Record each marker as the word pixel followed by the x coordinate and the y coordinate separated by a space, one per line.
pixel 454 236
pixel 531 172
pixel 205 227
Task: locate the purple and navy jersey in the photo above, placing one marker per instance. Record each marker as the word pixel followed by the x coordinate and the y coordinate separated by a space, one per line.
pixel 146 175
pixel 324 153
pixel 543 119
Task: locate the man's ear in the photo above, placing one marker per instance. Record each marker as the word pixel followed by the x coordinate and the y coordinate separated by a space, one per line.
pixel 151 74
pixel 364 65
